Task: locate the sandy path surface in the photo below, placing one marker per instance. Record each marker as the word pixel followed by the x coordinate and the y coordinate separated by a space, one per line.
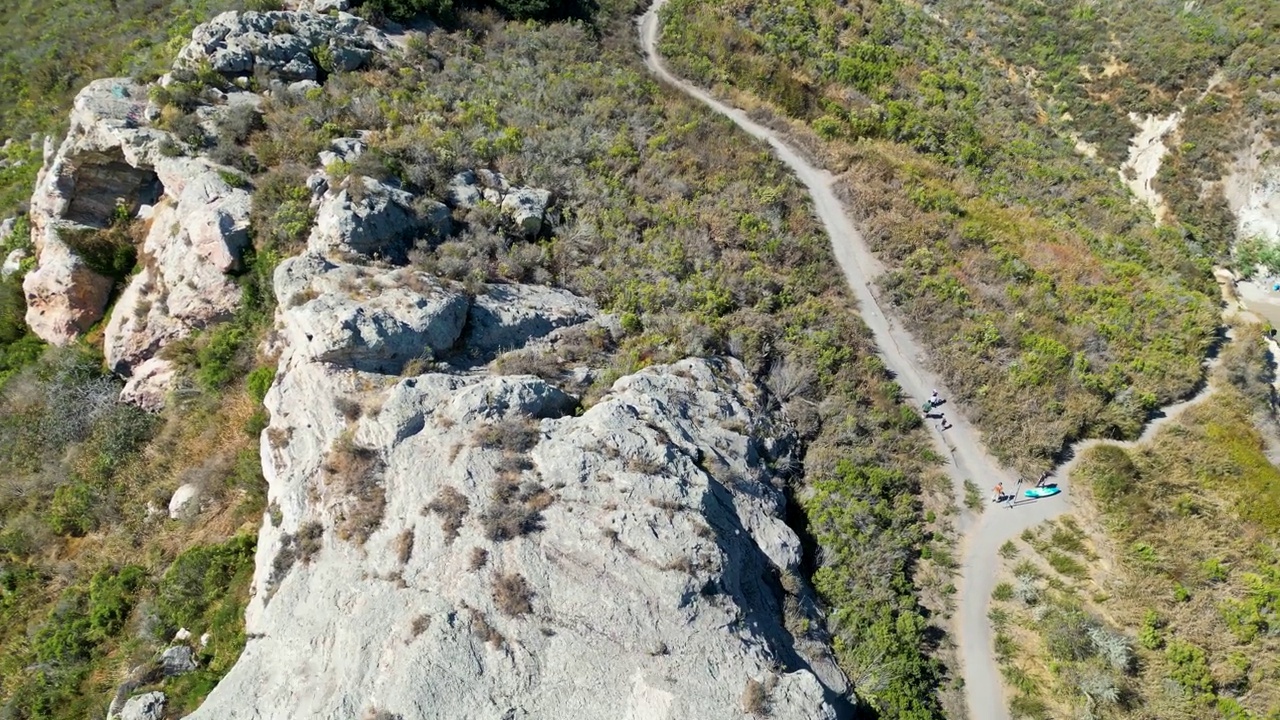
pixel 984 533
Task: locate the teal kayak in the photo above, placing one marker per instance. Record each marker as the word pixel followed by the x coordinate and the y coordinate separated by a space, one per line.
pixel 1042 492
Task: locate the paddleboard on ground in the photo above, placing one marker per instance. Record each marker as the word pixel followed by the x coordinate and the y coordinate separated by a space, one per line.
pixel 1043 492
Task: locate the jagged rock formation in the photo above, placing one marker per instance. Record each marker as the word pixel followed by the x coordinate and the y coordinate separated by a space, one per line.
pixel 462 546
pixel 114 163
pixel 285 44
pixel 110 160
pixel 453 544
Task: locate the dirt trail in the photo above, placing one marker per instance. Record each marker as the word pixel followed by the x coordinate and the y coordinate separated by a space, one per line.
pixel 984 533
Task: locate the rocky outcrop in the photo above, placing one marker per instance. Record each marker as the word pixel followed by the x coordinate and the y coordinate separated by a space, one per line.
pixel 373 217
pixel 620 563
pixel 194 241
pixel 464 545
pixel 506 317
pixel 1252 189
pixel 147 706
pixel 111 163
pixel 358 317
pixel 289 45
pixel 524 208
pixel 114 163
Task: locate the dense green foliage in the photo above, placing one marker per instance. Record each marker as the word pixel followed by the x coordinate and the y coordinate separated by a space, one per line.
pixel 1049 304
pixel 862 516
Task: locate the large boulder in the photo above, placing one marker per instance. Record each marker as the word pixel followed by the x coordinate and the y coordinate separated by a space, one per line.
pixel 371 218
pixel 525 207
pixel 508 317
pixel 359 317
pixel 185 502
pixel 147 706
pixel 177 660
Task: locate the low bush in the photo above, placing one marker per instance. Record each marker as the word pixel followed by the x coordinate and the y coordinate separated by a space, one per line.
pixel 356 473
pixel 452 507
pixel 196 585
pixel 512 595
pixel 111 252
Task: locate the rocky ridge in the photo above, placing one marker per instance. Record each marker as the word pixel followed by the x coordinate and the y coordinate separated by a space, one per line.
pixel 461 545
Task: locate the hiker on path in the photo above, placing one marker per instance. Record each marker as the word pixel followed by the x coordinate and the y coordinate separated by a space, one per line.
pixel 997 493
pixel 1040 483
pixel 934 399
pixel 1014 497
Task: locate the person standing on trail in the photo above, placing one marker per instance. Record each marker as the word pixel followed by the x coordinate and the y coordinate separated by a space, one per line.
pixel 934 400
pixel 997 493
pixel 1043 478
pixel 1014 497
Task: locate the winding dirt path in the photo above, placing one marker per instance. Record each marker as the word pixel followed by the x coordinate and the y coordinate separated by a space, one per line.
pixel 983 533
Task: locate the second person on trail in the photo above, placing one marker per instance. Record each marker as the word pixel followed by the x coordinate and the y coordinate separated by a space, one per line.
pixel 997 493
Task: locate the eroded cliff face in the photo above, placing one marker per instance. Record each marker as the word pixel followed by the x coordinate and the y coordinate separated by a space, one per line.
pixel 1252 188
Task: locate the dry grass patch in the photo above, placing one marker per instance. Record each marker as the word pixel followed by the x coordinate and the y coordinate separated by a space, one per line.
pixel 404 546
pixel 512 595
pixel 355 472
pixel 516 509
pixel 512 435
pixel 452 507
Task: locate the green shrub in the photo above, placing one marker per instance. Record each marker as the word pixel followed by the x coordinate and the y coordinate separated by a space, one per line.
pixel 1189 667
pixel 1067 565
pixel 215 359
pixel 259 382
pixel 111 252
pixel 199 579
pixel 1003 592
pixel 111 597
pixel 71 512
pixel 1150 635
pixel 66 636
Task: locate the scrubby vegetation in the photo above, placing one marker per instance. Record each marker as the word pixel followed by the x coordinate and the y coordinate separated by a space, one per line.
pixel 1169 610
pixel 1049 304
pixel 1090 67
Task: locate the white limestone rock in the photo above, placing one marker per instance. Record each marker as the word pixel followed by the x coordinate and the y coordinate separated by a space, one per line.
pixel 13 262
pixel 150 384
pixel 507 317
pixel 362 318
pixel 525 207
pixel 291 45
pixel 185 502
pixel 377 218
pixel 649 559
pixel 147 706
